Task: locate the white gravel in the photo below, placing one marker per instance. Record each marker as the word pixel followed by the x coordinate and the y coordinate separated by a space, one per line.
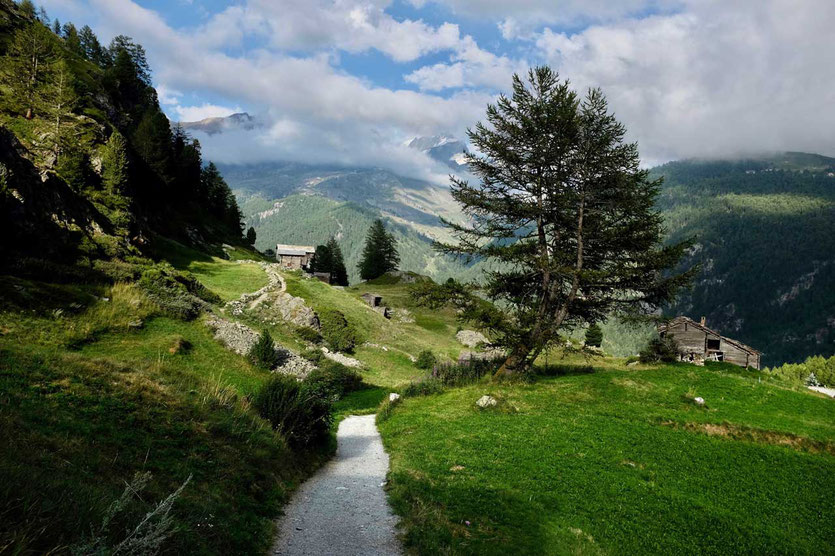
pixel 343 508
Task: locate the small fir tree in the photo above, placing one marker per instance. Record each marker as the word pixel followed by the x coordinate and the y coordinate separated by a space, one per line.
pixel 262 353
pixel 594 335
pixel 250 236
pixel 379 254
pixel 338 272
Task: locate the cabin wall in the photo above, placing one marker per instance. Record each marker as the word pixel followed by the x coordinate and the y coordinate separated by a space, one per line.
pixel 690 339
pixel 739 356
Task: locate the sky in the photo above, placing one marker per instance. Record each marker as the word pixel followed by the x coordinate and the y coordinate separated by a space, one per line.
pixel 351 81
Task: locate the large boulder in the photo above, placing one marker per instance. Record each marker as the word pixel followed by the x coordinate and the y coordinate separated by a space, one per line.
pixel 471 338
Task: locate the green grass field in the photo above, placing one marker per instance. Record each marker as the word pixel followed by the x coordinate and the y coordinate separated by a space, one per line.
pixel 616 461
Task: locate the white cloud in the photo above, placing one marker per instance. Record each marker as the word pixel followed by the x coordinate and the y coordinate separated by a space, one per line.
pixel 720 79
pixel 202 111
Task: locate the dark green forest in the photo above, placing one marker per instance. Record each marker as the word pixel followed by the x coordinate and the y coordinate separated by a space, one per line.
pixel 764 232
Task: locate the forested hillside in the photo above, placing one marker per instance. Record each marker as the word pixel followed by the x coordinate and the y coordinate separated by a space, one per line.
pixel 765 238
pixel 90 168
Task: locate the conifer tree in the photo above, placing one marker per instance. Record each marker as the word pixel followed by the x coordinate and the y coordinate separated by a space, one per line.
pixel 380 252
pixel 27 8
pixel 338 272
pixel 566 213
pixel 90 46
pixel 114 161
pixel 60 98
pixel 28 60
pixel 594 335
pixel 56 27
pixel 71 39
pixel 321 260
pixel 250 236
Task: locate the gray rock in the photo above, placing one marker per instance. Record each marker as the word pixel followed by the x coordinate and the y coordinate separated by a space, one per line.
pixel 471 338
pixel 342 358
pixel 486 401
pixel 394 397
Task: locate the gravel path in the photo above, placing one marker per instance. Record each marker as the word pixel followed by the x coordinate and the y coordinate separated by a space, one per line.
pixel 343 509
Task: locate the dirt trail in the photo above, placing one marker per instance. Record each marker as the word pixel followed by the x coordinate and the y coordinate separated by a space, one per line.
pixel 343 508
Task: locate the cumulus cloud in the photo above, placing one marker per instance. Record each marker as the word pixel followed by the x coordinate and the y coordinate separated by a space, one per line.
pixel 718 79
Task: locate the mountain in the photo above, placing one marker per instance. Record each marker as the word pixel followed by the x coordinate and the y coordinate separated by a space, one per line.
pixel 213 126
pixel 443 148
pixel 764 232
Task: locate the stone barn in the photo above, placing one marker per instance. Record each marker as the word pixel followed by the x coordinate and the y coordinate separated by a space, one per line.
pixel 294 257
pixel 698 343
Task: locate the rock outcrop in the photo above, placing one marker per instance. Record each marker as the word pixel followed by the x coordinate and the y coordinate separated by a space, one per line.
pixel 272 303
pixel 471 338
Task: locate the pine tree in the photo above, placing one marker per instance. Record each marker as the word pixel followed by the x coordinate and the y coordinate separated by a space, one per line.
pixel 321 260
pixel 56 27
pixel 91 47
pixel 71 39
pixel 27 8
pixel 28 60
pixel 250 236
pixel 338 272
pixel 567 215
pixel 594 335
pixel 380 252
pixel 262 353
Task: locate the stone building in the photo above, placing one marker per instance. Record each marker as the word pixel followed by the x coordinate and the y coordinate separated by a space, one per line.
pixel 294 257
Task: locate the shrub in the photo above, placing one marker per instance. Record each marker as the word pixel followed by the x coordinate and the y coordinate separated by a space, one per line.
pixel 333 380
pixel 313 355
pixel 262 353
pixel 424 387
pixel 466 371
pixel 118 271
pixel 659 349
pixel 338 334
pixel 309 334
pixel 296 411
pixel 426 360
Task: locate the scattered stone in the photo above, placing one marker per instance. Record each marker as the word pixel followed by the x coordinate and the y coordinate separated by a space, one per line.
pixel 471 338
pixel 486 401
pixel 272 303
pixel 403 315
pixel 456 468
pixel 632 364
pixel 136 324
pixel 699 400
pixel 394 397
pixel 342 358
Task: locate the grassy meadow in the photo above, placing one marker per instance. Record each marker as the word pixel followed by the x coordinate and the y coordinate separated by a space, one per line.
pixel 602 460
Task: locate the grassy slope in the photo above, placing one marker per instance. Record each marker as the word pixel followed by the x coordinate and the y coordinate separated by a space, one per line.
pixel 77 422
pixel 433 330
pixel 615 461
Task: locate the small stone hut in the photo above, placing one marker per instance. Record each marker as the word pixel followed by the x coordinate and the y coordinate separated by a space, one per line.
pixel 698 343
pixel 294 257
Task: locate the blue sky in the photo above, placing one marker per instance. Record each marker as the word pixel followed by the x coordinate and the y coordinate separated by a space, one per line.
pixel 350 81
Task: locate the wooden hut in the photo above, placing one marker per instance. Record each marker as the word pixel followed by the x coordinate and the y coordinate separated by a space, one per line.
pixel 699 343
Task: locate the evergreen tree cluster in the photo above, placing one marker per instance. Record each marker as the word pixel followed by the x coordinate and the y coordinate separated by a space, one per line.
pixel 328 258
pixel 56 73
pixel 380 253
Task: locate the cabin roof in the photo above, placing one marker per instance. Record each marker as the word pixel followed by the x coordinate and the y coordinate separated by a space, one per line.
pixel 299 250
pixel 691 322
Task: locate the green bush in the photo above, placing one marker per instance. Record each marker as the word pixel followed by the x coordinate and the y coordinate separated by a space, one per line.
pixel 296 411
pixel 424 387
pixel 338 334
pixel 426 360
pixel 333 380
pixel 465 371
pixel 660 350
pixel 309 334
pixel 119 271
pixel 262 353
pixel 313 355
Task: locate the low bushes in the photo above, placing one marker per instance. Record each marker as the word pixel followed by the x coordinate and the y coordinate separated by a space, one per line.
pixel 337 333
pixel 465 372
pixel 333 380
pixel 426 360
pixel 309 334
pixel 296 410
pixel 660 350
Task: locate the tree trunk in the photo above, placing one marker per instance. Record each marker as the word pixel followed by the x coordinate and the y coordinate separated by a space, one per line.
pixel 515 363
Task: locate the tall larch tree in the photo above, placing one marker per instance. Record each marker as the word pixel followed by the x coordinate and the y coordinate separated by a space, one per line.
pixel 380 253
pixel 567 215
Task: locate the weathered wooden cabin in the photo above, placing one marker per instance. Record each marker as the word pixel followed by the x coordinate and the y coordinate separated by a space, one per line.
pixel 294 257
pixel 699 343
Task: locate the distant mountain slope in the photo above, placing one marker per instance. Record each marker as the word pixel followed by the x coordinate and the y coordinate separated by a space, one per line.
pixel 213 126
pixel 764 229
pixel 765 237
pixel 312 219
